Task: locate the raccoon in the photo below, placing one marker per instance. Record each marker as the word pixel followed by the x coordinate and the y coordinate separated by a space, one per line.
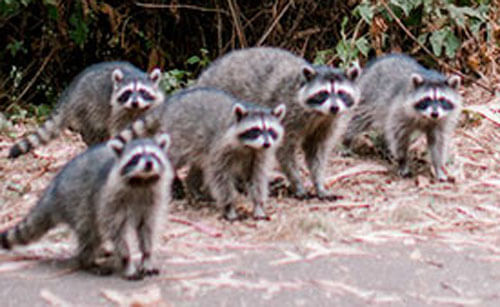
pixel 98 103
pixel 222 139
pixel 399 97
pixel 318 99
pixel 102 194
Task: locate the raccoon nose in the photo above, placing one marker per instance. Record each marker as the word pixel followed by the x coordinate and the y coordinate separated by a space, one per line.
pixel 434 114
pixel 135 104
pixel 149 166
pixel 334 109
pixel 266 145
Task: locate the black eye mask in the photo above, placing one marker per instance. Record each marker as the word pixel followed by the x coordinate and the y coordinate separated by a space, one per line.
pixel 251 134
pixel 346 98
pixel 124 97
pixel 318 98
pixel 428 102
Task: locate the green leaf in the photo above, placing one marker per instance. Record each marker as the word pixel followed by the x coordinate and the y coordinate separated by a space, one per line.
pixel 365 11
pixel 422 38
pixel 437 41
pixel 405 5
pixel 193 60
pixel 363 46
pixel 452 43
pixel 322 55
pixel 79 30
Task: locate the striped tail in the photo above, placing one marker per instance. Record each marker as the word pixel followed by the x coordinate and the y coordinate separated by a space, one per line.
pixel 139 128
pixel 44 134
pixel 33 227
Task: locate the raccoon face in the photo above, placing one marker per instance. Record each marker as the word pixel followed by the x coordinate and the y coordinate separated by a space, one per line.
pixel 434 101
pixel 144 161
pixel 259 129
pixel 329 91
pixel 136 93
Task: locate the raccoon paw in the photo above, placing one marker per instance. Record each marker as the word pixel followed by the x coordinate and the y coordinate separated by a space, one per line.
pixel 259 214
pixel 134 276
pixel 230 213
pixel 404 172
pixel 150 271
pixel 329 197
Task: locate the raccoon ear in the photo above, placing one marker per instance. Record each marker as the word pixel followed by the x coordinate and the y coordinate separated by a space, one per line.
pixel 155 76
pixel 240 111
pixel 279 111
pixel 116 145
pixel 163 141
pixel 309 73
pixel 117 75
pixel 416 80
pixel 454 81
pixel 354 71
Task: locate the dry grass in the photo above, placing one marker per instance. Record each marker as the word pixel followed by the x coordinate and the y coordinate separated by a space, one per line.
pixel 377 206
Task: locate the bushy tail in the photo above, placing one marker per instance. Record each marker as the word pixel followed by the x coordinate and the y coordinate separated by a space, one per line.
pixel 146 125
pixel 44 134
pixel 34 226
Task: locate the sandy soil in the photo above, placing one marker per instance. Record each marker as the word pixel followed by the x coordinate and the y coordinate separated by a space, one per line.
pixel 388 241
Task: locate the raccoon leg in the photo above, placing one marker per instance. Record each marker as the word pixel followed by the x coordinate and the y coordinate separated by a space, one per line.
pixel 258 188
pixel 131 269
pixel 220 182
pixel 438 151
pixel 145 233
pixel 287 157
pixel 398 141
pixel 95 258
pixel 177 188
pixel 316 150
pixel 194 185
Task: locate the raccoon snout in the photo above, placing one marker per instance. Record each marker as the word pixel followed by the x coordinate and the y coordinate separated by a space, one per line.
pixel 334 109
pixel 148 166
pixel 434 114
pixel 135 104
pixel 266 145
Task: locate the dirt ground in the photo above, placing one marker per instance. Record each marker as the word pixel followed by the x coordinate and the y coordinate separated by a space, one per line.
pixel 388 241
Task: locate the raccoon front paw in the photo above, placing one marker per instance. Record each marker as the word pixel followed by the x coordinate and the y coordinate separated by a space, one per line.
pixel 150 271
pixel 136 276
pixel 404 171
pixel 329 197
pixel 259 214
pixel 230 213
pixel 147 268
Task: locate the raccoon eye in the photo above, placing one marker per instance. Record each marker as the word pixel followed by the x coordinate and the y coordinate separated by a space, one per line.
pixel 346 98
pixel 318 98
pixel 124 97
pixel 251 134
pixel 130 164
pixel 423 104
pixel 146 95
pixel 273 134
pixel 445 104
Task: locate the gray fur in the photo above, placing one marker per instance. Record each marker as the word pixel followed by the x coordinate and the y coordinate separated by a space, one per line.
pixel 206 126
pixel 390 88
pixel 89 105
pixel 271 76
pixel 101 196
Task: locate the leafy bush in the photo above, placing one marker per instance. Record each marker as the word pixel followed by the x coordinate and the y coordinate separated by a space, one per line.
pixel 46 43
